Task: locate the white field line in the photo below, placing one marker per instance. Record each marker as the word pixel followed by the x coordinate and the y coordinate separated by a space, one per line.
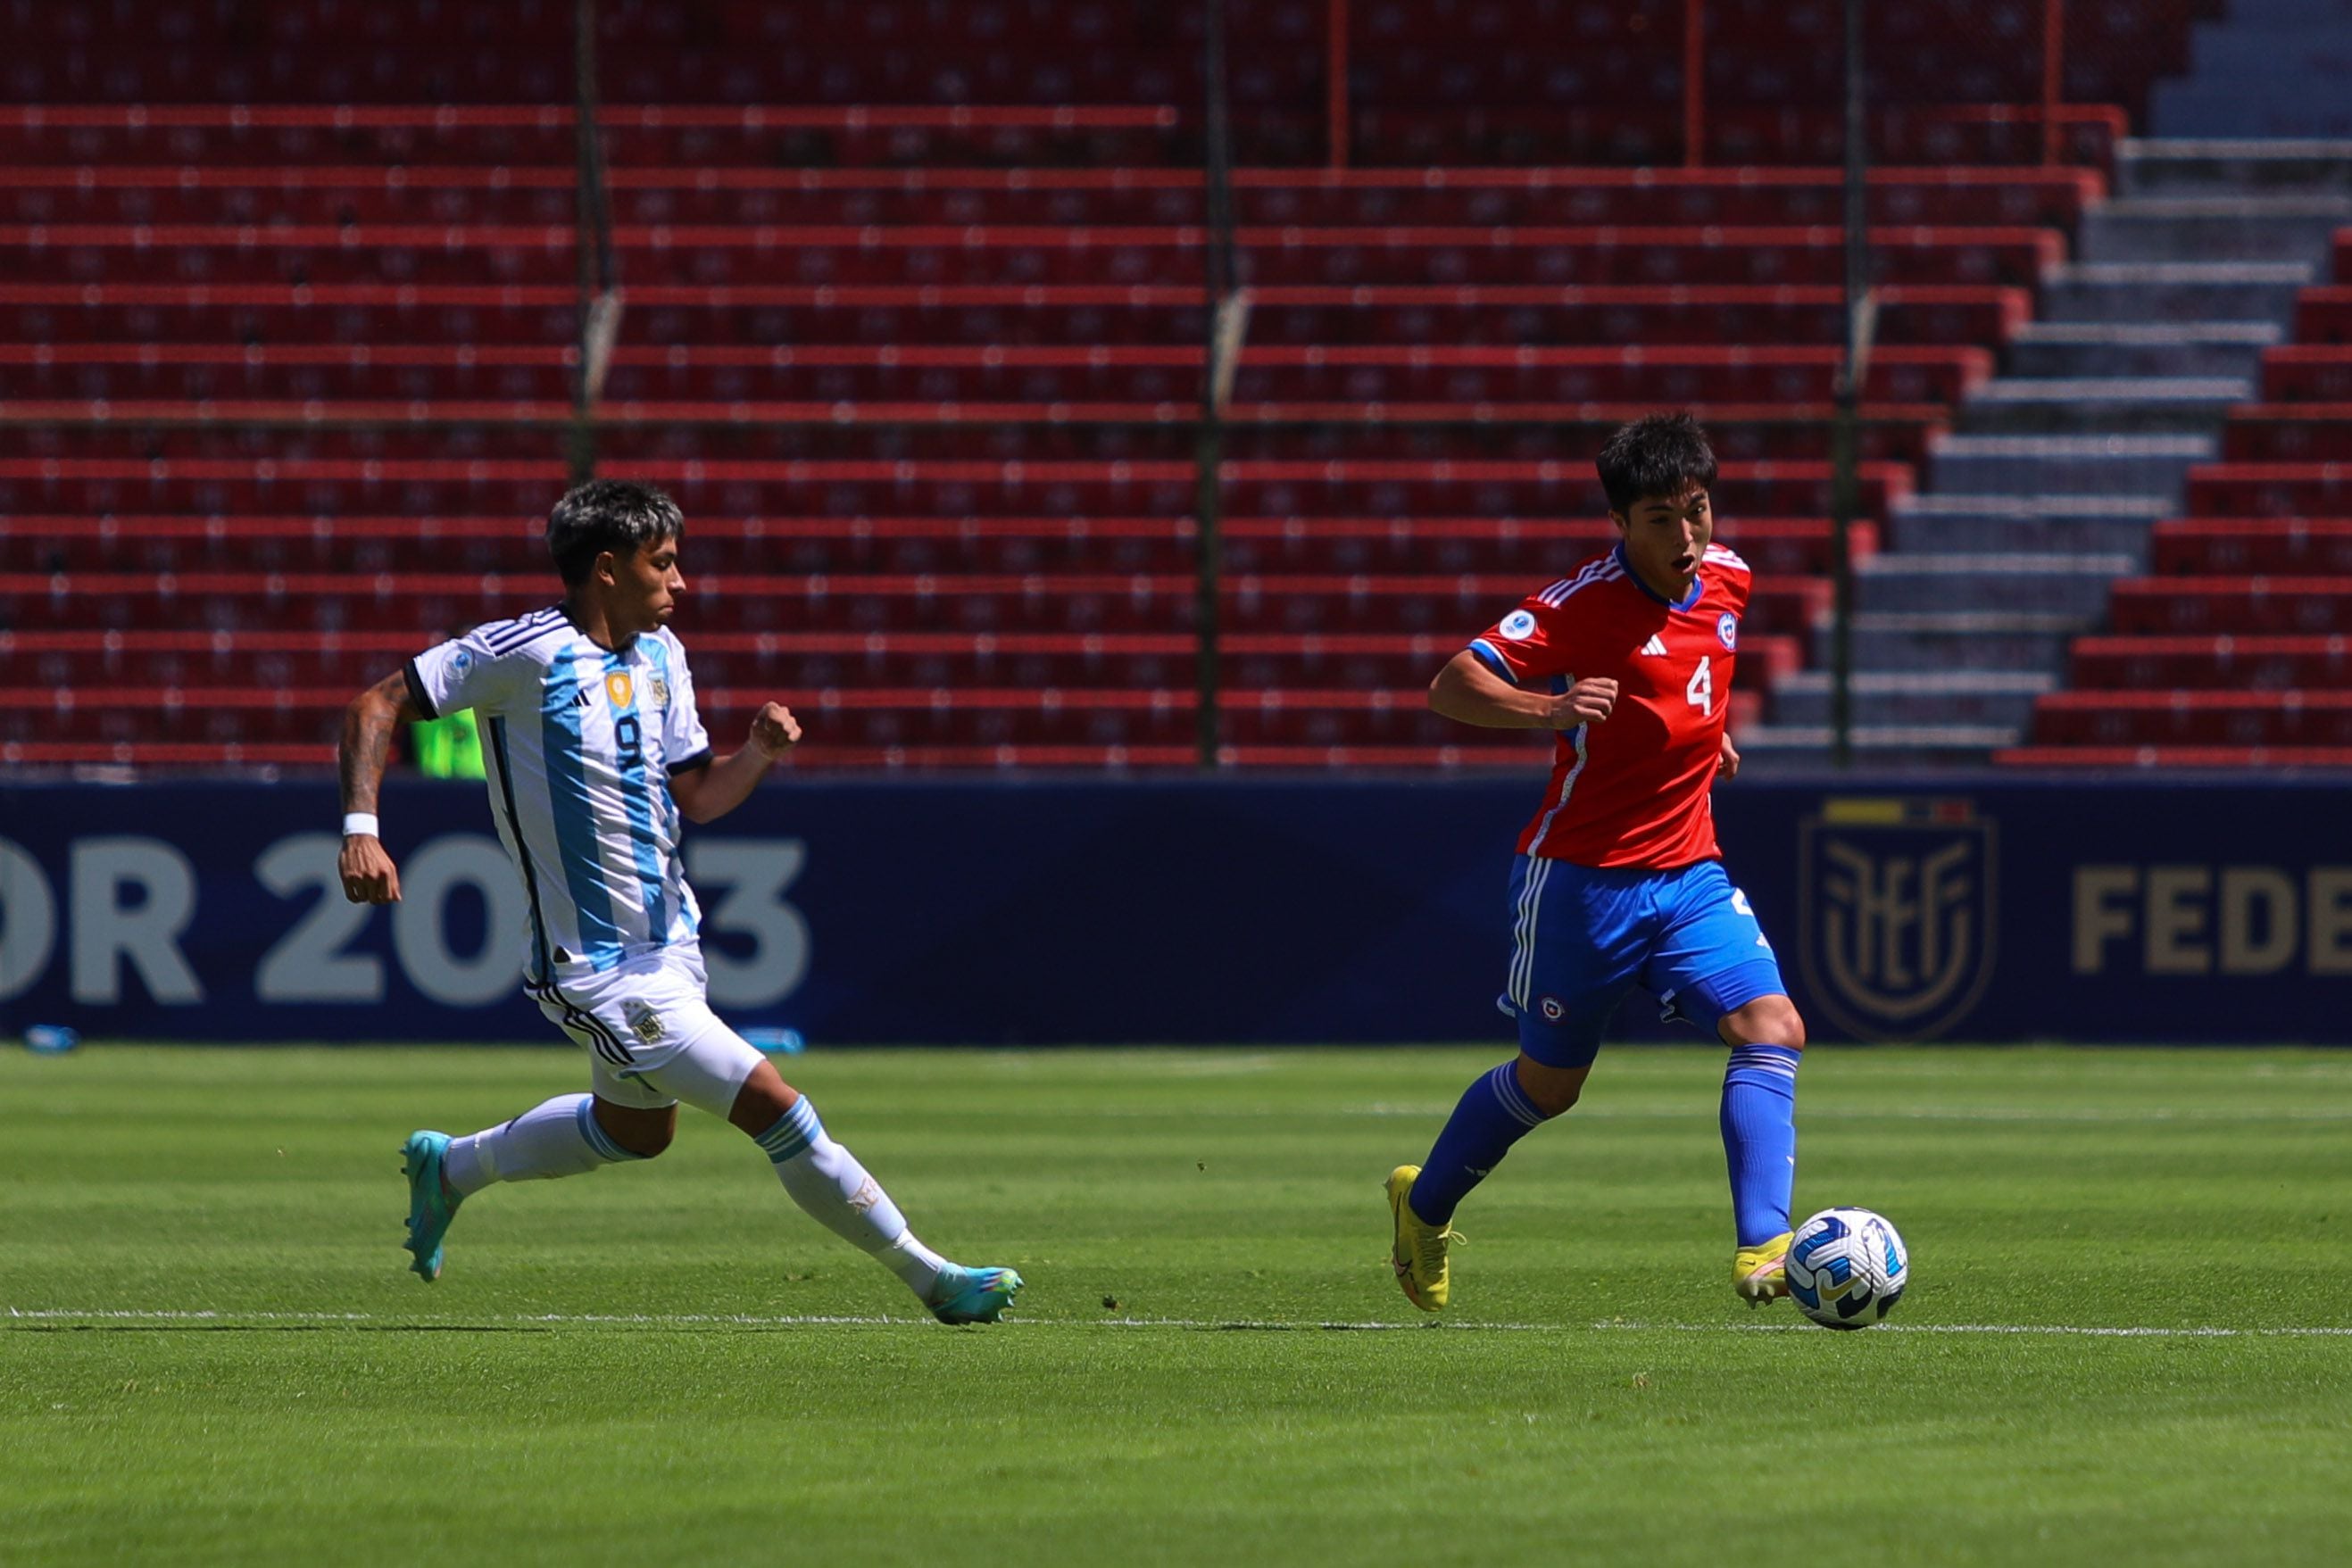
pixel 1836 1113
pixel 708 1320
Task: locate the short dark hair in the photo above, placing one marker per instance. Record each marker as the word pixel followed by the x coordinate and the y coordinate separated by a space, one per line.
pixel 1658 456
pixel 615 515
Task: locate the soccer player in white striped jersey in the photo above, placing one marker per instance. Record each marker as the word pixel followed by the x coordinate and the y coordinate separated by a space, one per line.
pixel 594 753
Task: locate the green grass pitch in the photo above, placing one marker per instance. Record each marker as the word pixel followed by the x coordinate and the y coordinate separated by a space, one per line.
pixel 2128 1336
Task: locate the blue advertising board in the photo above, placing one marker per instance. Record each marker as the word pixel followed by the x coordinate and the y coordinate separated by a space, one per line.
pixel 1244 911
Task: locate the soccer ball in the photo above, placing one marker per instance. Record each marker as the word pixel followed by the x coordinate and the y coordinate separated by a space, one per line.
pixel 1847 1268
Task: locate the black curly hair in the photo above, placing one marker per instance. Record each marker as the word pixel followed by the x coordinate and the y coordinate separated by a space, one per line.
pixel 615 515
pixel 1658 456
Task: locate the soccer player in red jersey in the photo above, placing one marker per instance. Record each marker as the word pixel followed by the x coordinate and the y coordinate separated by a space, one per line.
pixel 1618 881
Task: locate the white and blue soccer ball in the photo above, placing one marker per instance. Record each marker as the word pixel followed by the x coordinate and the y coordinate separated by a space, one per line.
pixel 1847 1268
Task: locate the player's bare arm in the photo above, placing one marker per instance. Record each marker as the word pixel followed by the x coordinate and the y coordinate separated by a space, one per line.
pixel 366 871
pixel 1727 764
pixel 708 793
pixel 1468 692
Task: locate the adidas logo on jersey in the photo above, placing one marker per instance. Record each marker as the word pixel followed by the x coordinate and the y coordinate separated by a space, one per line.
pixel 1657 645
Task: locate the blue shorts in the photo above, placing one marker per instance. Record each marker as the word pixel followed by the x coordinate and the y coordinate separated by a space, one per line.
pixel 1584 937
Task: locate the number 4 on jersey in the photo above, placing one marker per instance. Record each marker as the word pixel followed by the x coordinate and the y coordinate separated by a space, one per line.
pixel 1700 693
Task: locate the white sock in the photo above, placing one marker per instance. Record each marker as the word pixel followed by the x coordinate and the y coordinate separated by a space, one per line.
pixel 834 1189
pixel 559 1138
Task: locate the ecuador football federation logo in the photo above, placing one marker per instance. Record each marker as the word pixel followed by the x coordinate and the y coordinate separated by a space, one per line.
pixel 1898 906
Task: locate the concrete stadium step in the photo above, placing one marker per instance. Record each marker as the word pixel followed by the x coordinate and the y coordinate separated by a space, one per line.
pixel 2199 291
pixel 2291 12
pixel 2245 48
pixel 1946 640
pixel 2066 465
pixel 2298 227
pixel 1890 697
pixel 2154 166
pixel 2100 349
pixel 1957 523
pixel 1878 749
pixel 2298 105
pixel 2104 404
pixel 2071 584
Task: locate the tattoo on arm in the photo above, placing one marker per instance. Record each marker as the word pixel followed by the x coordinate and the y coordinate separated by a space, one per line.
pixel 367 738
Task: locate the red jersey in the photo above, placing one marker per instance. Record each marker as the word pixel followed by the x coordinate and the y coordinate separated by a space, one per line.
pixel 1632 791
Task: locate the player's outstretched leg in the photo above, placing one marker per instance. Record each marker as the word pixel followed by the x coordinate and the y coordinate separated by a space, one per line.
pixel 825 1180
pixel 560 1137
pixel 1760 1141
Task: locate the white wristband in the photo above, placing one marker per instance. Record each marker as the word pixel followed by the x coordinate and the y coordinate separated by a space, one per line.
pixel 360 822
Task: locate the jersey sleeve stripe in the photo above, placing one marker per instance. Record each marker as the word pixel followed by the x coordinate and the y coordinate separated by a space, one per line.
pixel 1721 556
pixel 417 692
pixel 503 637
pixel 1492 657
pixel 1601 570
pixel 688 764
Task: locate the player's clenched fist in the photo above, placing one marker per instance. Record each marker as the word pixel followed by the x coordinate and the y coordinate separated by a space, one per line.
pixel 775 730
pixel 1587 702
pixel 366 871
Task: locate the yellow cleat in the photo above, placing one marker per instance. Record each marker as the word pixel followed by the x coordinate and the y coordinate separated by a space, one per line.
pixel 1418 1254
pixel 1760 1273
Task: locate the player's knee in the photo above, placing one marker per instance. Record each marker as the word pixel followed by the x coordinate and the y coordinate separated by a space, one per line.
pixel 644 1133
pixel 1552 1090
pixel 762 1100
pixel 648 1145
pixel 1767 1020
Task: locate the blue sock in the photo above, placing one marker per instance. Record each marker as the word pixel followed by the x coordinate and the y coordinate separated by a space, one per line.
pixel 1495 1113
pixel 1759 1138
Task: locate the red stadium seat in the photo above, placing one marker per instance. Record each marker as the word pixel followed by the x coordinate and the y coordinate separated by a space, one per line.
pixel 2177 759
pixel 1089 315
pixel 2307 372
pixel 985 256
pixel 2237 547
pixel 1314 545
pixel 2222 662
pixel 1448 606
pixel 631 435
pixel 276 193
pixel 2233 718
pixel 2297 605
pixel 2287 432
pixel 870 488
pixel 786 663
pixel 1359 373
pixel 2271 489
pixel 1127 134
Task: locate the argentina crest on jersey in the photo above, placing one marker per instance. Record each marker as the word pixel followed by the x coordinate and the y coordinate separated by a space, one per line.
pixel 1898 925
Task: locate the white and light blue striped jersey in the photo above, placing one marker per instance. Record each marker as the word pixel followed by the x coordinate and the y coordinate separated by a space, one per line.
pixel 580 744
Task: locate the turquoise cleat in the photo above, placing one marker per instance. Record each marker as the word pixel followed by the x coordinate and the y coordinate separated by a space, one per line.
pixel 430 1207
pixel 972 1295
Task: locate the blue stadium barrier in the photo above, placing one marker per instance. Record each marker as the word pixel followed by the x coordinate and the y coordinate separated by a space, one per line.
pixel 1291 910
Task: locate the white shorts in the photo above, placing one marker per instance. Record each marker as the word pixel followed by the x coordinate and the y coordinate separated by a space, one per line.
pixel 651 1037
